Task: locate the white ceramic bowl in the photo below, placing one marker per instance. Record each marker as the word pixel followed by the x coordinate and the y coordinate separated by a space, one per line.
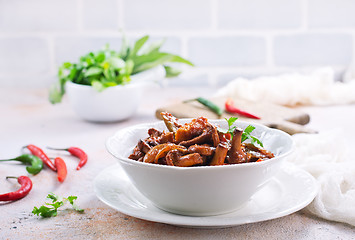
pixel 204 190
pixel 114 103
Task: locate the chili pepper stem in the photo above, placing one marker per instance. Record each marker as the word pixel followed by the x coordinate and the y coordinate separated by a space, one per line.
pixel 24 147
pixel 8 160
pixel 26 186
pixel 77 152
pixel 11 177
pixel 59 149
pixel 207 103
pixel 190 100
pixel 28 159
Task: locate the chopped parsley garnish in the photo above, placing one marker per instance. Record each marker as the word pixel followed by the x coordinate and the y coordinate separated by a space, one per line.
pixel 246 133
pixel 51 209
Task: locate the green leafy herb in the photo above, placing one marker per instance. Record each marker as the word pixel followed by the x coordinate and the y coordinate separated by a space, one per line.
pixel 107 67
pixel 246 133
pixel 51 209
pixel 230 122
pixel 171 72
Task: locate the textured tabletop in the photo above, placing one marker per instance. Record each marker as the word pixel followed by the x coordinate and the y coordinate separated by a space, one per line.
pixel 27 117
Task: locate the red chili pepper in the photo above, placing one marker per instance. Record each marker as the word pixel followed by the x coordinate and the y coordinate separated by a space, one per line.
pixel 26 186
pixel 39 153
pixel 225 137
pixel 77 152
pixel 229 105
pixel 61 168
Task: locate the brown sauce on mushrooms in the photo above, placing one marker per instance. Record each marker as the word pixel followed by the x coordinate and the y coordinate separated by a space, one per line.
pixel 198 143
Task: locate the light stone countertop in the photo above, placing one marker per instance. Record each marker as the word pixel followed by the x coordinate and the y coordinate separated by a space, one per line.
pixel 27 117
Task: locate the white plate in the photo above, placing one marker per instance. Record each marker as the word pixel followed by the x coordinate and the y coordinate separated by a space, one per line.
pixel 289 191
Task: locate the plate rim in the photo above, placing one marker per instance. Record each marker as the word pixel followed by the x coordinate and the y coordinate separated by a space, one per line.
pixel 210 224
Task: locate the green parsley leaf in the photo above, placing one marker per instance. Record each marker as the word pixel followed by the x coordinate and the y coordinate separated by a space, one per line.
pixel 45 211
pixel 51 209
pixel 255 141
pixel 230 122
pixel 231 128
pixel 52 196
pixel 71 199
pixel 246 133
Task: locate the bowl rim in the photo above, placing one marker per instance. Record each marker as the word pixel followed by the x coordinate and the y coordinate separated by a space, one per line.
pixel 200 168
pixel 82 86
pixel 134 83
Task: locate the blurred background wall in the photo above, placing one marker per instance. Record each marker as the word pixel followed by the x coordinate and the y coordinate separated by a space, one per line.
pixel 224 38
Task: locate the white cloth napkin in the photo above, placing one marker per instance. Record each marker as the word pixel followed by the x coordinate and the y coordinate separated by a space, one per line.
pixel 323 155
pixel 326 157
pixel 317 88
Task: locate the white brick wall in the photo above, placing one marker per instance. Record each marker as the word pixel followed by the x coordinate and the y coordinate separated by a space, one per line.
pixel 229 51
pixel 19 16
pixel 100 15
pixel 259 14
pixel 224 38
pixel 312 49
pixel 171 15
pixel 332 14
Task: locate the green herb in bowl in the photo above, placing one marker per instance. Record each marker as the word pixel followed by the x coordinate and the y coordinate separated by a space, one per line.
pixel 108 68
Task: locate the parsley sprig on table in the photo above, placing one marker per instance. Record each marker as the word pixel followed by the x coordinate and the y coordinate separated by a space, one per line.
pixel 246 133
pixel 51 209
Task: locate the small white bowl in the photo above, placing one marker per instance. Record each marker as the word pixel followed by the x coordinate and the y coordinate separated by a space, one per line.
pixel 114 103
pixel 204 190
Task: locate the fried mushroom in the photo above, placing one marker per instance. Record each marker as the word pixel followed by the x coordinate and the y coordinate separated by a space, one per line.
pixel 174 158
pixel 236 153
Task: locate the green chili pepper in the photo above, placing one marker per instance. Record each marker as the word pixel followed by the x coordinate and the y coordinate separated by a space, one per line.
pixel 213 107
pixel 35 162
